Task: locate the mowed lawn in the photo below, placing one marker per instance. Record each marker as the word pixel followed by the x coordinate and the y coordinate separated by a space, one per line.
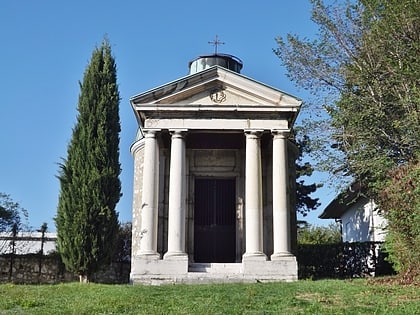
pixel 301 297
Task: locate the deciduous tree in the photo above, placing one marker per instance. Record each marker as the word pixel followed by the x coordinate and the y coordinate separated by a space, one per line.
pixel 10 213
pixel 311 234
pixel 364 70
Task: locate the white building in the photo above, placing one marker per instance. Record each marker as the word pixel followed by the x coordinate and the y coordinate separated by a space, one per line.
pixel 214 179
pixel 360 218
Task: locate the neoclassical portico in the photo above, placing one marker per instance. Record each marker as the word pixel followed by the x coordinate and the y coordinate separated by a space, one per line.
pixel 214 179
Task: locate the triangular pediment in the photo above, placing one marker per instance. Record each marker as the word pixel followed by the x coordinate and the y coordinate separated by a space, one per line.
pixel 216 86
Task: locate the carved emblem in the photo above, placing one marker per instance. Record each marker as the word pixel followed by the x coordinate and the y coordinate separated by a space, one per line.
pixel 218 96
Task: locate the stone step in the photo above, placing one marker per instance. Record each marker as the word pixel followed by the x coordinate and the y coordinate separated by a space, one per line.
pixel 216 268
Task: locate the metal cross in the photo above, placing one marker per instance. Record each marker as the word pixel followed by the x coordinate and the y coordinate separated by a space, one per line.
pixel 216 43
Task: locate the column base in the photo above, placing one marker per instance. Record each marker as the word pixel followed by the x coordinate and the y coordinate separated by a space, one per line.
pixel 260 256
pixel 284 268
pixel 280 255
pixel 176 266
pixel 149 255
pixel 175 256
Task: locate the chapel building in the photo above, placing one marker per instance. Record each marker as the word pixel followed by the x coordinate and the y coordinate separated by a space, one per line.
pixel 214 179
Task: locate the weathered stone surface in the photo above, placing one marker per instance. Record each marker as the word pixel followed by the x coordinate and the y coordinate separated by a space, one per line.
pixel 25 269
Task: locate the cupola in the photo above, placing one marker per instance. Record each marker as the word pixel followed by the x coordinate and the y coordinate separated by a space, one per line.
pixel 223 60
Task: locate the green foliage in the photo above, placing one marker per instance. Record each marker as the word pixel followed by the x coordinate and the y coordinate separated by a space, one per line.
pixel 363 71
pixel 310 234
pixel 304 202
pixel 86 220
pixel 378 114
pixel 341 260
pixel 400 203
pixel 319 66
pixel 10 214
pixel 123 243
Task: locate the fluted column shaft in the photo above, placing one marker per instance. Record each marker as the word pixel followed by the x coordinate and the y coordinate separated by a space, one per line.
pixel 149 207
pixel 253 197
pixel 177 196
pixel 281 217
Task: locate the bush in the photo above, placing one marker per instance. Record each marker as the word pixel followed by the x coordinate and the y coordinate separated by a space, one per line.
pixel 400 201
pixel 310 234
pixel 341 260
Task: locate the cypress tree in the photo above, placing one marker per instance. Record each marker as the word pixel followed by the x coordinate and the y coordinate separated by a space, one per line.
pixel 86 221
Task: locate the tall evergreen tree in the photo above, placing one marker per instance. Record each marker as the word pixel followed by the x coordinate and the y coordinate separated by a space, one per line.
pixel 304 202
pixel 87 223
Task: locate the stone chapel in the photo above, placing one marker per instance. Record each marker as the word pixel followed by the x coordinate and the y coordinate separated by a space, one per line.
pixel 214 179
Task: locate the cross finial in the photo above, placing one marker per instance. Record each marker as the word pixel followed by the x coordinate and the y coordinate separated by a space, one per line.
pixel 216 42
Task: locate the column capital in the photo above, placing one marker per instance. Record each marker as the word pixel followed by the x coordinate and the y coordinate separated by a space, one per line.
pixel 178 132
pixel 253 133
pixel 279 133
pixel 150 132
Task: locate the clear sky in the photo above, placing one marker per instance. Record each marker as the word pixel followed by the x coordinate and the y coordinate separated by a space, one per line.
pixel 47 44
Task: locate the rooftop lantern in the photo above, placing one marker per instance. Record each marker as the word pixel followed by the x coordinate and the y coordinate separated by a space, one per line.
pixel 217 59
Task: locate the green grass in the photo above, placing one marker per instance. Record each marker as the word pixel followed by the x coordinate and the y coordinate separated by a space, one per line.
pixel 302 297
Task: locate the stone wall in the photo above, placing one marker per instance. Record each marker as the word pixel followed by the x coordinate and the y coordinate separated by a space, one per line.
pixel 33 268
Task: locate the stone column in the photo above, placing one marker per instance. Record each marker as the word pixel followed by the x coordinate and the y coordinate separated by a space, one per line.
pixel 281 219
pixel 253 197
pixel 177 196
pixel 149 205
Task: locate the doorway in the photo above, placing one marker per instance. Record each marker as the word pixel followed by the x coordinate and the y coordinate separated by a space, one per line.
pixel 215 220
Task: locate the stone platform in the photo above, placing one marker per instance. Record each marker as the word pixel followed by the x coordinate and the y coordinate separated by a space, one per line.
pixel 160 272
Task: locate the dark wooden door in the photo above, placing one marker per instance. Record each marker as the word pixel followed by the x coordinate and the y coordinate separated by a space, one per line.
pixel 214 220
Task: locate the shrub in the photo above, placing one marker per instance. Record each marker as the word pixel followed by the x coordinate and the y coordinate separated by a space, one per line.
pixel 400 201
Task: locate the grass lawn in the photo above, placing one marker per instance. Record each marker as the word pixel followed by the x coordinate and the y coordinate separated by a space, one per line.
pixel 301 297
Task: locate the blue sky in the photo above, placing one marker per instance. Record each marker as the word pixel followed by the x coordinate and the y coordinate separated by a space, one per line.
pixel 46 46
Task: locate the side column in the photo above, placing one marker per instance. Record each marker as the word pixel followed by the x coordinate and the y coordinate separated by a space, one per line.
pixel 149 204
pixel 253 197
pixel 177 196
pixel 281 218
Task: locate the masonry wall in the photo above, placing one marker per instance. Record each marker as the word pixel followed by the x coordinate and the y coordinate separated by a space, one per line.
pixel 33 268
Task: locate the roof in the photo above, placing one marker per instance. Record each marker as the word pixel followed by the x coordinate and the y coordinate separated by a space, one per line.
pixel 336 208
pixel 188 81
pixel 188 96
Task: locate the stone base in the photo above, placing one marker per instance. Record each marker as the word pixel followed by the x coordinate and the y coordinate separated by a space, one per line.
pixel 172 271
pixel 176 265
pixel 284 268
